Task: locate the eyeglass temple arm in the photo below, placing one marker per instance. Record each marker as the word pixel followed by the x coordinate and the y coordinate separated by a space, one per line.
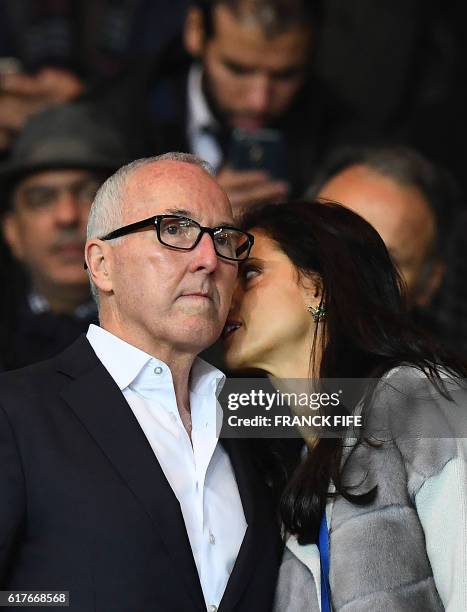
pixel 128 229
pixel 123 231
pixel 247 245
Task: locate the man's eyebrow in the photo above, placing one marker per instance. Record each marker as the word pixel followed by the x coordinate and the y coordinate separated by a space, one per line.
pixel 239 65
pixel 33 188
pixel 227 222
pixel 277 72
pixel 186 213
pixel 73 184
pixel 178 211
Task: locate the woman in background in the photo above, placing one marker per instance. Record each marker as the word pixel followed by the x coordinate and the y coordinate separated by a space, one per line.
pixel 371 525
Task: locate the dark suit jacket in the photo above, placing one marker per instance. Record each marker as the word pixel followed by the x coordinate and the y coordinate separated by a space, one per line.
pixel 85 506
pixel 27 337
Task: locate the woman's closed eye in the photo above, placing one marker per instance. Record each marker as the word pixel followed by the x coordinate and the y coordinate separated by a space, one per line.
pixel 248 273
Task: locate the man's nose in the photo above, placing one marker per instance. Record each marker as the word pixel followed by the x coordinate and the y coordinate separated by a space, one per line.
pixel 204 255
pixel 68 209
pixel 260 94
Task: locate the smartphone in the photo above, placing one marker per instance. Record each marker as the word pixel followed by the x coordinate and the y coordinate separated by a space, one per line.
pixel 259 150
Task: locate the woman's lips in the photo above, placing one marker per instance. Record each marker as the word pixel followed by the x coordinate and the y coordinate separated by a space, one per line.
pixel 230 328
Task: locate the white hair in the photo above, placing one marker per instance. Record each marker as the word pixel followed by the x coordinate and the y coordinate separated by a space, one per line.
pixel 106 214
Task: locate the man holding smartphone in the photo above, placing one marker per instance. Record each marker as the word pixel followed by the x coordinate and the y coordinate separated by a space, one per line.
pixel 248 70
pixel 252 61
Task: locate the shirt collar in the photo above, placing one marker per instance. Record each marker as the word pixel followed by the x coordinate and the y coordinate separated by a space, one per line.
pixel 205 378
pixel 200 116
pixel 125 363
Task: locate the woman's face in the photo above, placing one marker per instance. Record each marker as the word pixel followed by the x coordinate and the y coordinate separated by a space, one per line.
pixel 269 326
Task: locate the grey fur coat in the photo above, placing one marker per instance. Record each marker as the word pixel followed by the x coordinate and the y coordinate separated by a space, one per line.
pixel 378 553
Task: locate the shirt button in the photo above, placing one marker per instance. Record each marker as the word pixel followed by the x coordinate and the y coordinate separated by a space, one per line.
pixel 212 608
pixel 158 370
pixel 212 539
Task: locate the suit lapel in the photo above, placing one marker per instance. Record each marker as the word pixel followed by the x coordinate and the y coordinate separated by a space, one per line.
pixel 100 406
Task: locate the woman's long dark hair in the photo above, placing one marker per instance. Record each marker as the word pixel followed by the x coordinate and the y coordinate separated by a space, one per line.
pixel 367 330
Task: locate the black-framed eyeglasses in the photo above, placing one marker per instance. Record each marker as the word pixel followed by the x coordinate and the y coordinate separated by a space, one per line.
pixel 184 234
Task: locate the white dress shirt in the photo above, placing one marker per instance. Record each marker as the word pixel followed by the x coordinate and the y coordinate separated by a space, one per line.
pixel 201 120
pixel 199 472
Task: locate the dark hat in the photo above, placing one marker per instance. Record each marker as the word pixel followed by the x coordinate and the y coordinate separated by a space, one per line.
pixel 74 135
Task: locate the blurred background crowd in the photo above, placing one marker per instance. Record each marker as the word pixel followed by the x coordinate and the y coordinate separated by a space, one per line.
pixel 356 101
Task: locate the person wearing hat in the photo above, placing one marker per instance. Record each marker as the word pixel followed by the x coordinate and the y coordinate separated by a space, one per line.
pixel 46 188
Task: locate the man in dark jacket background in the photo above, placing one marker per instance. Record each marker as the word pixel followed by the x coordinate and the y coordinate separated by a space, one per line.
pixel 240 92
pixel 47 186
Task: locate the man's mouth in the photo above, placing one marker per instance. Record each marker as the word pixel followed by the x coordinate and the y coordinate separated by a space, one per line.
pixel 249 123
pixel 69 250
pixel 230 328
pixel 197 294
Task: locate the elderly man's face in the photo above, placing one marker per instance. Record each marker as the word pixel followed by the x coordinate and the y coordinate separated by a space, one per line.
pixel 46 227
pixel 399 213
pixel 157 291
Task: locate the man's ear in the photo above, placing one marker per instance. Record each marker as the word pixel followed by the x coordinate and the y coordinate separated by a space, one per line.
pixel 194 33
pixel 12 234
pixel 97 254
pixel 431 285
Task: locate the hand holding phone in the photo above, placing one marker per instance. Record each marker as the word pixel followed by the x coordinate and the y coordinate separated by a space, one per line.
pixel 249 187
pixel 262 150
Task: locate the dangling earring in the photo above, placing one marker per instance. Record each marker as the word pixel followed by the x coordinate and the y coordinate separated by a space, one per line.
pixel 318 313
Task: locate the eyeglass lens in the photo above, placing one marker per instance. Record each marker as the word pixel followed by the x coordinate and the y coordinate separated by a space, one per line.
pixel 183 233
